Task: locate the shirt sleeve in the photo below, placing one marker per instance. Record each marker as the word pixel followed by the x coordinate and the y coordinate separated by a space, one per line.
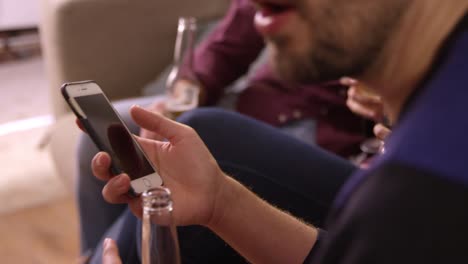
pixel 228 51
pixel 399 214
pixel 320 236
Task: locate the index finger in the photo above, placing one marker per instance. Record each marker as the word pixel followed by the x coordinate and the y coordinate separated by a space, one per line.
pixel 167 128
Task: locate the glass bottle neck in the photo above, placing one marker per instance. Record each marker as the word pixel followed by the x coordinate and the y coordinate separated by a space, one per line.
pixel 157 205
pixel 183 53
pixel 159 234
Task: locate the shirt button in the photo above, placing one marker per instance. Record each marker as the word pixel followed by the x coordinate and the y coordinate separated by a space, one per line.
pixel 324 111
pixel 297 114
pixel 282 118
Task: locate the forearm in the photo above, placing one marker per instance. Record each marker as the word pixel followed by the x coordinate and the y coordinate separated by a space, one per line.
pixel 259 231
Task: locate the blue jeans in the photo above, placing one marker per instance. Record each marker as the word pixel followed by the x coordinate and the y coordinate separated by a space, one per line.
pixel 297 177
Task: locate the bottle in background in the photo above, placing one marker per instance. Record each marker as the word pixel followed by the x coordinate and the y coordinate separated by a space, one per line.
pixel 159 234
pixel 183 88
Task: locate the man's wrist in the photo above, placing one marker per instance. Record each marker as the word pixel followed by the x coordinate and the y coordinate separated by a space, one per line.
pixel 230 191
pixel 245 221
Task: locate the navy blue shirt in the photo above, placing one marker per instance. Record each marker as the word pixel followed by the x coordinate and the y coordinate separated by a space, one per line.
pixel 409 207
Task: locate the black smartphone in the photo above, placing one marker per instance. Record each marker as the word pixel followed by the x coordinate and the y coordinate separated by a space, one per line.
pixel 110 134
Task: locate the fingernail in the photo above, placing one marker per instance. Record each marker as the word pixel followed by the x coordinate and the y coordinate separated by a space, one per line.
pixel 136 106
pixel 106 243
pixel 99 161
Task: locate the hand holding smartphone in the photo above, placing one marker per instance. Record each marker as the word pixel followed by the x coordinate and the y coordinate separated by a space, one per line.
pixel 110 134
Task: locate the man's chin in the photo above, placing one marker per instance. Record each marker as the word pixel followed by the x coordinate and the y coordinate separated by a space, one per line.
pixel 307 69
pixel 294 69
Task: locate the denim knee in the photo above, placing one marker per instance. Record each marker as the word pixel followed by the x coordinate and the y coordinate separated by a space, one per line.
pixel 206 121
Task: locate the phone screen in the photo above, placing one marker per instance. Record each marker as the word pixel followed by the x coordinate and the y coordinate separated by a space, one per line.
pixel 115 139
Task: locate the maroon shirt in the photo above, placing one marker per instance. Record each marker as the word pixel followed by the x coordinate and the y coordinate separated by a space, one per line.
pixel 227 54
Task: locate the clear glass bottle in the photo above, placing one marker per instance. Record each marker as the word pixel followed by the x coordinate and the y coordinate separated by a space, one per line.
pixel 159 234
pixel 183 88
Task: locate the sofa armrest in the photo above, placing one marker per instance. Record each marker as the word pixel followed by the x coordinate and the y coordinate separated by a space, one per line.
pixel 121 44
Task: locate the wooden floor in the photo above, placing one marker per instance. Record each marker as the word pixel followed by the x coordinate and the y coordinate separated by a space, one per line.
pixel 45 234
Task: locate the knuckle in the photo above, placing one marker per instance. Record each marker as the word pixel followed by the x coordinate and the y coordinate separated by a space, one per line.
pixel 188 131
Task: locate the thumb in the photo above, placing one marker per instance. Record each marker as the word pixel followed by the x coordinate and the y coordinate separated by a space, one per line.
pixel 167 128
pixel 111 252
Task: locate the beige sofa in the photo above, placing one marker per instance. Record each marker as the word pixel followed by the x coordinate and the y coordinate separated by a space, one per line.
pixel 122 44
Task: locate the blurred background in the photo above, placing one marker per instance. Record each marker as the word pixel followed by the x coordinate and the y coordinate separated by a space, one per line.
pixel 124 45
pixel 38 220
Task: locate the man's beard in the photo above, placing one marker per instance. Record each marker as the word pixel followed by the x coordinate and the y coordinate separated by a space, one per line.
pixel 336 49
pixel 319 64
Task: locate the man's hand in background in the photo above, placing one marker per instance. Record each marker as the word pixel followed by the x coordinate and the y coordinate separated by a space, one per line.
pixel 381 131
pixel 363 101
